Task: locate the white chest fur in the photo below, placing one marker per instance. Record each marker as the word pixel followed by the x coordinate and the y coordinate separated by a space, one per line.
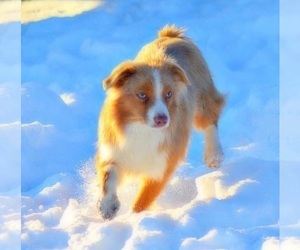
pixel 140 152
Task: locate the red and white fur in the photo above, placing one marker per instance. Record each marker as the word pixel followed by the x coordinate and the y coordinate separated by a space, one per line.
pixel 152 104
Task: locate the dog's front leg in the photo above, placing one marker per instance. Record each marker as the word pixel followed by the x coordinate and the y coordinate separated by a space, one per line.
pixel 109 204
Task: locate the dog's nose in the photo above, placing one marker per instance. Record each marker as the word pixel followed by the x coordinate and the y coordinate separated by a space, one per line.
pixel 160 120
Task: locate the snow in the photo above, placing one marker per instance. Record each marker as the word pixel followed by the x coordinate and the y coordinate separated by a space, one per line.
pixel 10 11
pixel 289 131
pixel 242 205
pixel 10 134
pixel 229 216
pixel 36 11
pixel 68 98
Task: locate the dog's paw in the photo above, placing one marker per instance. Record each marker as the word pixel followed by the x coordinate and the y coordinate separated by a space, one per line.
pixel 109 206
pixel 213 157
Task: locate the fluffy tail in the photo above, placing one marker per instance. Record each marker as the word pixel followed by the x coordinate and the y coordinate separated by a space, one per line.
pixel 171 31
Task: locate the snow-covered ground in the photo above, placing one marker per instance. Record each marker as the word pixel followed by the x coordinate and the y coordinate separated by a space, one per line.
pixel 238 206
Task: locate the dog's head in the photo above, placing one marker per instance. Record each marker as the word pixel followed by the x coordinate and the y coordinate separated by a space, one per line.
pixel 146 94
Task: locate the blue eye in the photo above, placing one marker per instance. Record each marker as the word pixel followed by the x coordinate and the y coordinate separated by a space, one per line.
pixel 168 95
pixel 142 96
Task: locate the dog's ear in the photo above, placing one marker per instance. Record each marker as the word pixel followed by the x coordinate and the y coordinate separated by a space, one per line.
pixel 178 73
pixel 120 74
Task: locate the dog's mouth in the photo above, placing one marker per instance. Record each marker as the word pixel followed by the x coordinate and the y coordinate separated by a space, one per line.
pixel 160 127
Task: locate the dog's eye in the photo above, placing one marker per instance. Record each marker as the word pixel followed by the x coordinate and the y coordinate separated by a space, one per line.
pixel 168 95
pixel 142 96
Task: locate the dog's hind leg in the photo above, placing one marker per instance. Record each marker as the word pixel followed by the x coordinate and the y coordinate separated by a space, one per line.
pixel 206 119
pixel 213 152
pixel 150 188
pixel 148 192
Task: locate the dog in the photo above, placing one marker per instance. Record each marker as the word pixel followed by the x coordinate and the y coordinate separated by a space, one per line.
pixel 151 106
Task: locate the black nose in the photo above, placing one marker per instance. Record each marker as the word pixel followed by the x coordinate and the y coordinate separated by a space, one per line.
pixel 160 120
